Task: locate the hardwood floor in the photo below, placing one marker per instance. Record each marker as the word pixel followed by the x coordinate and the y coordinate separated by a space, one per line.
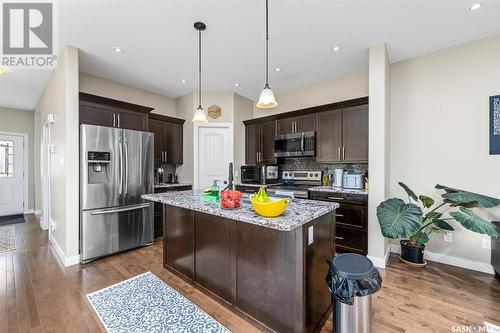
pixel 38 294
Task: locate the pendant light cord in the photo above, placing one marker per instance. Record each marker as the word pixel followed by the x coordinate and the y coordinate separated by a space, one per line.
pixel 199 69
pixel 267 44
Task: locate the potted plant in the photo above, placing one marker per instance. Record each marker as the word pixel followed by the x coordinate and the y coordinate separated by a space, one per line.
pixel 415 220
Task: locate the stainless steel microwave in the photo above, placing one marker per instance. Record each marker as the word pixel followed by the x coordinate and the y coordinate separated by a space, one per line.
pixel 295 144
pixel 259 174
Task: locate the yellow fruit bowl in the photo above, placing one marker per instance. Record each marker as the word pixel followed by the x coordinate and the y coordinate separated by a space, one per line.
pixel 271 208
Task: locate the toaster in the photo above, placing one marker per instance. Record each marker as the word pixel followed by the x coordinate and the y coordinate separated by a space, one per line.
pixel 353 181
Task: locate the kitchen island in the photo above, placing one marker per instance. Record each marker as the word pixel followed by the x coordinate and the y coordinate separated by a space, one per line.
pixel 269 270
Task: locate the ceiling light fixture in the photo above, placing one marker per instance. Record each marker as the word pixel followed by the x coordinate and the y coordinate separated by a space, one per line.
pixel 476 6
pixel 277 69
pixel 3 70
pixel 236 84
pixel 336 48
pixel 266 98
pixel 183 81
pixel 118 50
pixel 199 115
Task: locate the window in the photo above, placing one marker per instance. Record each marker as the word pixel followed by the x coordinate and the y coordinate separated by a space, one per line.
pixel 6 158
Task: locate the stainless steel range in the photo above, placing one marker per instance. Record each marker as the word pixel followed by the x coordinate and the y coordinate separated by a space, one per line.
pixel 295 183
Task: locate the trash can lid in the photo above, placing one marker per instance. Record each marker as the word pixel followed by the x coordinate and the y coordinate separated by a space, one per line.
pixel 353 266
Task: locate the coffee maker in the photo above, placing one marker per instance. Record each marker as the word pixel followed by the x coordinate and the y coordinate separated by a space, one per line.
pixel 159 173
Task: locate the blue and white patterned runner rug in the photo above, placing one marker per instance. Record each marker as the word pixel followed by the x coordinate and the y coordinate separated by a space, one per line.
pixel 145 303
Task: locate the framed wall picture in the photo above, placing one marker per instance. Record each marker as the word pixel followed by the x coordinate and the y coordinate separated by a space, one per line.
pixel 495 125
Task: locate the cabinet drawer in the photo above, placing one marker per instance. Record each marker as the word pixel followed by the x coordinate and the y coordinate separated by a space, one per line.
pixel 352 198
pixel 353 216
pixel 350 240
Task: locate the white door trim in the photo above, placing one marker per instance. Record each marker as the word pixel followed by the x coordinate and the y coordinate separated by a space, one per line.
pixel 25 166
pixel 196 129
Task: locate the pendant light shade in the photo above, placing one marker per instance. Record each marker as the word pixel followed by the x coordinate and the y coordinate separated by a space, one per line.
pixel 199 115
pixel 266 98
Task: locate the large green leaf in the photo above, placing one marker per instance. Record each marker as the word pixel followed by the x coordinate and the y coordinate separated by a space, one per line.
pixel 461 198
pixel 421 238
pixel 443 225
pixel 475 223
pixel 466 204
pixel 426 201
pixel 408 191
pixel 399 219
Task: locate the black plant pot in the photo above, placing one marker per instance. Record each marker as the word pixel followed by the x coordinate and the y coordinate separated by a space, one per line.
pixel 412 252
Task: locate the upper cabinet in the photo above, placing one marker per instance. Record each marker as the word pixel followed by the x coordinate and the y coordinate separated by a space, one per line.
pixel 343 135
pixel 102 111
pixel 168 136
pixel 259 143
pixel 296 124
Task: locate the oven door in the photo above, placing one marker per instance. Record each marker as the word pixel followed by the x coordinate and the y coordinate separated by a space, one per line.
pixel 288 145
pixel 250 174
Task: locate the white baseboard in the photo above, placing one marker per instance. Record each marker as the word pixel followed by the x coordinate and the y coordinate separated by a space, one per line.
pixel 381 262
pixel 454 261
pixel 37 212
pixel 66 261
pixel 32 211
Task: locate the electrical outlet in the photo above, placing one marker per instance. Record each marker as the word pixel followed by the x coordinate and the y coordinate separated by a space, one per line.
pixel 487 243
pixel 52 225
pixel 448 237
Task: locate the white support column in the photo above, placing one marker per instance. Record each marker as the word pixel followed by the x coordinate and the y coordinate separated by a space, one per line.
pixel 378 159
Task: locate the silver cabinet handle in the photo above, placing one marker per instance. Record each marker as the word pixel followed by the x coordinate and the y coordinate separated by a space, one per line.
pixel 302 143
pixel 166 155
pixel 114 119
pixel 118 210
pixel 118 120
pixel 340 158
pixel 339 215
pixel 335 198
pixel 339 238
pixel 257 157
pixel 343 153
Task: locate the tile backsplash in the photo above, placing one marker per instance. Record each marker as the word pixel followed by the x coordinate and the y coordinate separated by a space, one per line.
pixel 309 163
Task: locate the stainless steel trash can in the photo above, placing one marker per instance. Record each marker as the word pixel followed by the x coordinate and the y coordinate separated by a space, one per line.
pixel 352 279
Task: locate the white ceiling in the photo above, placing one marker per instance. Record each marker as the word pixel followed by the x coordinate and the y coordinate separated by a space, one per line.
pixel 160 43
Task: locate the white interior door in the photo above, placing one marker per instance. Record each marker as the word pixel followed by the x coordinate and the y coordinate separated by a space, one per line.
pixel 11 174
pixel 214 155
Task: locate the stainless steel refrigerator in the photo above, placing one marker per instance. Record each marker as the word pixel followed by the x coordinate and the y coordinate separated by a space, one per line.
pixel 116 168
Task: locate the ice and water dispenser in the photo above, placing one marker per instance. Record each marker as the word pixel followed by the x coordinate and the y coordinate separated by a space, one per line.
pixel 99 164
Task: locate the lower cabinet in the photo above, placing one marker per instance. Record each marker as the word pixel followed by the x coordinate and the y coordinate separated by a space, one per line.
pixel 158 208
pixel 351 220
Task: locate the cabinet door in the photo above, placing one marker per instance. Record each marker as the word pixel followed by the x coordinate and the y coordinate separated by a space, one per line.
pixel 157 128
pixel 252 143
pixel 284 126
pixel 355 133
pixel 306 123
pixel 173 143
pixel 132 120
pixel 179 240
pixel 96 114
pixel 329 136
pixel 267 134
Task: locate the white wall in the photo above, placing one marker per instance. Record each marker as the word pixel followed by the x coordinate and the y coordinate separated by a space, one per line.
pixel 340 89
pixel 102 87
pixel 20 121
pixel 185 106
pixel 439 130
pixel 61 98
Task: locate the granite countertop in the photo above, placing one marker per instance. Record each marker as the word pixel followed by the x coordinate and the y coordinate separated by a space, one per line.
pixel 332 189
pixel 298 212
pixel 167 185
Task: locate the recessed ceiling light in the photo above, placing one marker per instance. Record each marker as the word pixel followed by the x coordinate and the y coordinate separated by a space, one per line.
pixel 336 48
pixel 3 70
pixel 183 81
pixel 476 6
pixel 236 84
pixel 277 69
pixel 118 50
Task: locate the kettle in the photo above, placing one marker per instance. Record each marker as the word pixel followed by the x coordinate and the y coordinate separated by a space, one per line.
pixel 338 177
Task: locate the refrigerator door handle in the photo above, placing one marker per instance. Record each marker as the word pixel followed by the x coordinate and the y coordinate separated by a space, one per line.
pixel 126 168
pixel 120 188
pixel 118 210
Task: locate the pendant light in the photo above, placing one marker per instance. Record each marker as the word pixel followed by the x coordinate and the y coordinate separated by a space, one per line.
pixel 266 98
pixel 199 115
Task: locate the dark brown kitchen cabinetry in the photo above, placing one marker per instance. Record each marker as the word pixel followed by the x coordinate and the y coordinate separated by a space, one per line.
pixel 158 207
pixel 259 143
pixel 351 220
pixel 343 135
pixel 296 124
pixel 168 138
pixel 102 111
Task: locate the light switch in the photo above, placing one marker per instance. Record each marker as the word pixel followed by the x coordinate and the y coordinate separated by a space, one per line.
pixel 61 161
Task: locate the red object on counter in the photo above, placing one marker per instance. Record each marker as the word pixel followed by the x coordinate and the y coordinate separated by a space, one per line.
pixel 230 199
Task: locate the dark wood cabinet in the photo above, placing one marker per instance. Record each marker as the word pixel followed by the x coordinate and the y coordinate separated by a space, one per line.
pixel 355 133
pixel 103 111
pixel 296 124
pixel 329 136
pixel 178 243
pixel 158 207
pixel 259 143
pixel 351 220
pixel 168 138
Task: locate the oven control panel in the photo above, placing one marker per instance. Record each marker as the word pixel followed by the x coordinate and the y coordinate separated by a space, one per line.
pixel 306 175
